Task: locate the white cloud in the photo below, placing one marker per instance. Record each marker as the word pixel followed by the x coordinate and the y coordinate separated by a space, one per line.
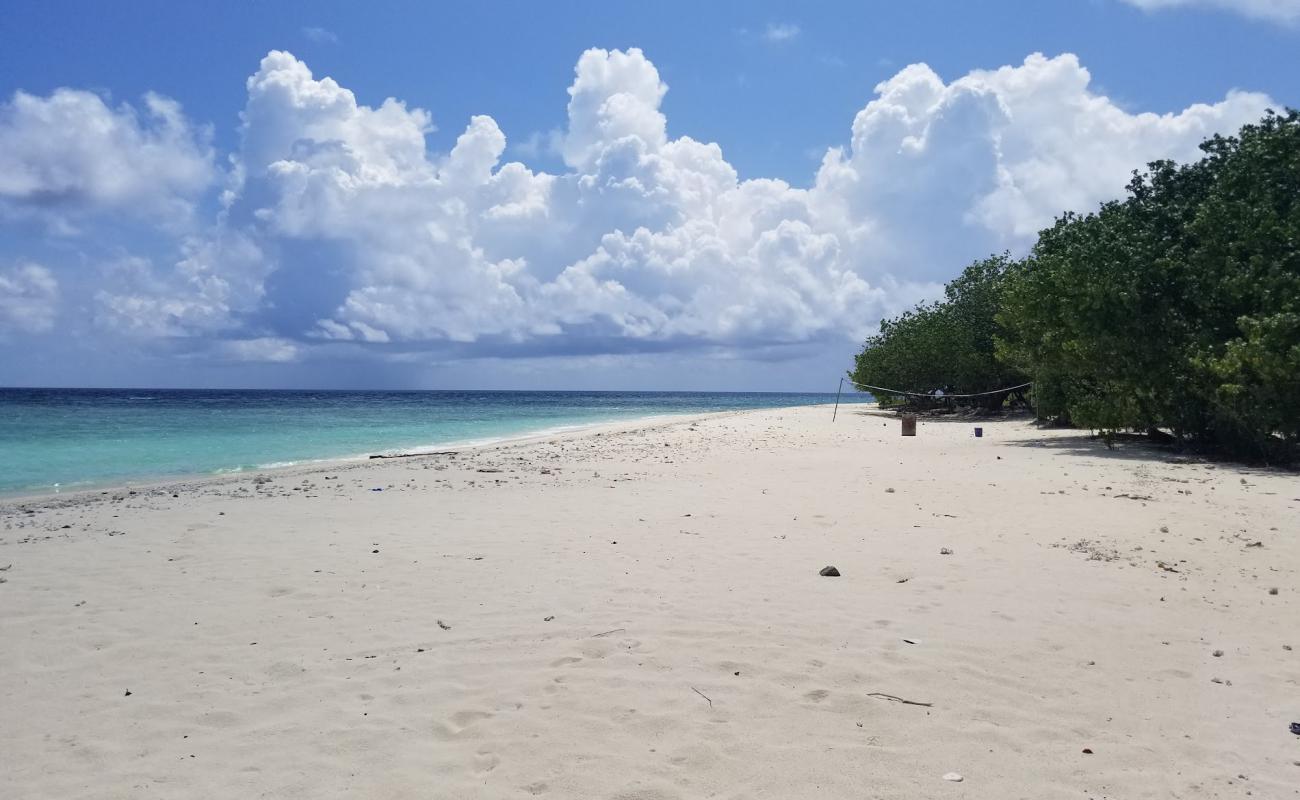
pixel 780 31
pixel 263 349
pixel 70 154
pixel 216 281
pixel 1284 11
pixel 987 160
pixel 320 35
pixel 341 229
pixel 29 297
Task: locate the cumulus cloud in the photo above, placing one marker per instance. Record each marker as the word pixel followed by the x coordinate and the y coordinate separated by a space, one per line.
pixel 68 155
pixel 341 229
pixel 1284 11
pixel 937 172
pixel 216 285
pixel 29 295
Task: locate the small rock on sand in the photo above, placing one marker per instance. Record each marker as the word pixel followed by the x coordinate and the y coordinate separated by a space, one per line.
pixel 829 572
pixel 955 777
pixel 945 551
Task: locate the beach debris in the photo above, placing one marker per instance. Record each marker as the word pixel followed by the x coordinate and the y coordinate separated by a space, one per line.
pixel 548 619
pixel 1166 567
pixel 1272 590
pixel 376 489
pixel 912 641
pixel 1217 654
pixel 902 580
pixel 443 625
pixel 829 572
pixel 408 455
pixel 890 490
pixel 1220 681
pixel 1255 544
pixel 607 633
pixel 898 699
pixel 945 551
pixel 702 694
pixel 128 693
pixel 1087 751
pixel 1295 728
pixel 487 469
pixel 955 777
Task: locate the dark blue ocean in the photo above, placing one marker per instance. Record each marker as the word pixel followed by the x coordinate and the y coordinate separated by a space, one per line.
pixel 65 439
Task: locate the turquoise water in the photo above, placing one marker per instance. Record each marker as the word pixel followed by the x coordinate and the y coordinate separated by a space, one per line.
pixel 64 439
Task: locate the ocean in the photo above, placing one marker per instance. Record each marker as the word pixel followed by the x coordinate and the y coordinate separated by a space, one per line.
pixel 68 439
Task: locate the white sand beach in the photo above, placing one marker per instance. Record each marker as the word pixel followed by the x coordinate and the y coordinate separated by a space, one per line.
pixel 636 612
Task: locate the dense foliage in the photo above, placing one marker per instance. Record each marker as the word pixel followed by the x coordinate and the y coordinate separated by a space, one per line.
pixel 1176 309
pixel 948 345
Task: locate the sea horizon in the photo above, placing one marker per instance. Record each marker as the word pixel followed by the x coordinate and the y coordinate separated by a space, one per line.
pixel 60 439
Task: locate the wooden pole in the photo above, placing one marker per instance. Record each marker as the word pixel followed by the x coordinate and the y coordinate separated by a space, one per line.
pixel 836 413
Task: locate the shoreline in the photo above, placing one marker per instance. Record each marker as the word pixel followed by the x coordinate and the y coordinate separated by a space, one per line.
pixel 168 483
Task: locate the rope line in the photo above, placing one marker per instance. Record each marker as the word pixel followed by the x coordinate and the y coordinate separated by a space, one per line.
pixel 927 394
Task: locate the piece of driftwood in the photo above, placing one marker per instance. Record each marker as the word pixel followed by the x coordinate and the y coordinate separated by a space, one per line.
pixel 702 694
pixel 414 455
pixel 898 699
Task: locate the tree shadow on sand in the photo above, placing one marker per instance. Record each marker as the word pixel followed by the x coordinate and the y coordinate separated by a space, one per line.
pixel 1135 447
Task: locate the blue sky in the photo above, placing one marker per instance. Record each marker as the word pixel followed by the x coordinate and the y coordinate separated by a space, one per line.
pixel 667 195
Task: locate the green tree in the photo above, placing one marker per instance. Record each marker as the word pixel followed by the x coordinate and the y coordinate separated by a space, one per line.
pixel 1178 307
pixel 947 345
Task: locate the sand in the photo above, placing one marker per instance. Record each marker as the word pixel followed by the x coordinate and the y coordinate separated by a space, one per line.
pixel 637 613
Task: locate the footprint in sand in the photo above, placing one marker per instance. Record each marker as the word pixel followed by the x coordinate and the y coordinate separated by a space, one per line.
pixel 463 719
pixel 486 761
pixel 816 695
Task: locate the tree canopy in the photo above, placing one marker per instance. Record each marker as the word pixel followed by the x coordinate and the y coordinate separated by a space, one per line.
pixel 1176 308
pixel 948 345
